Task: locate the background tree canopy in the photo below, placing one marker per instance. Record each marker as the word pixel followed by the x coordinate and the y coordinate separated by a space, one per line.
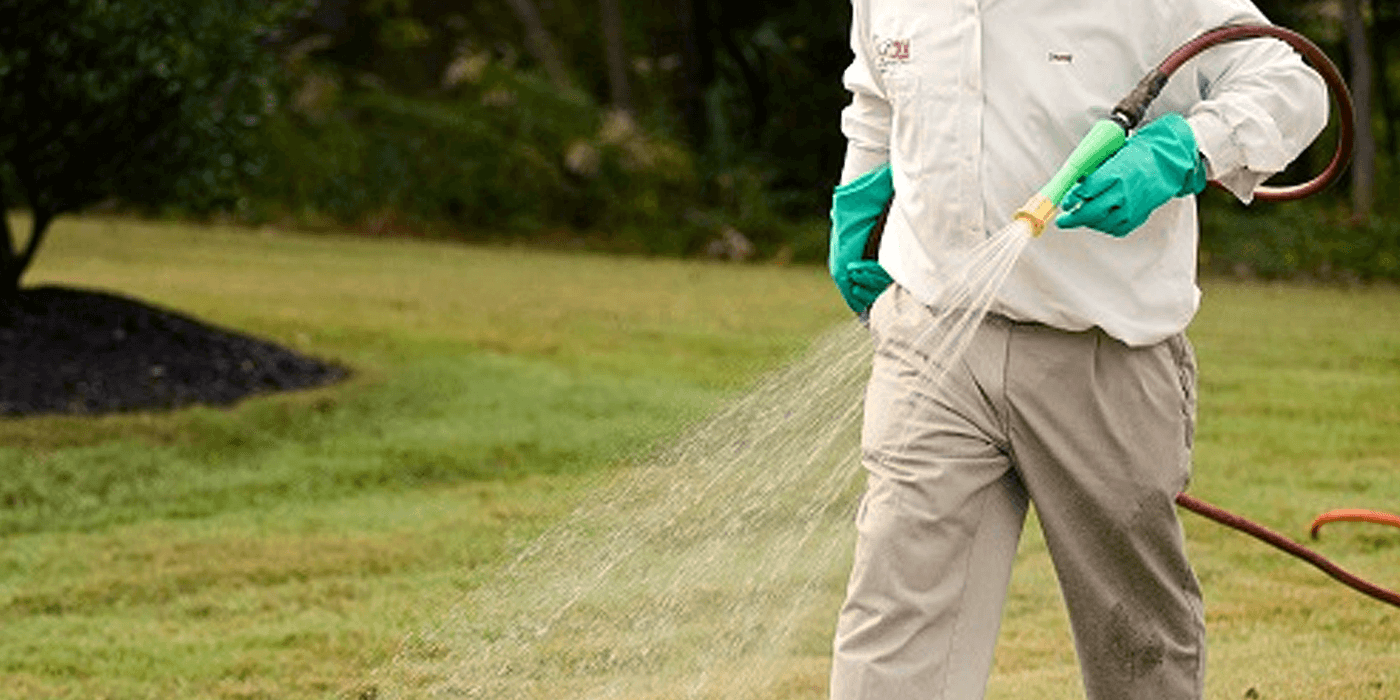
pixel 625 125
pixel 730 118
pixel 151 102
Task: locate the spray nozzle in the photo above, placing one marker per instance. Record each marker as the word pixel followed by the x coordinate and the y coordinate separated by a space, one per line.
pixel 1037 212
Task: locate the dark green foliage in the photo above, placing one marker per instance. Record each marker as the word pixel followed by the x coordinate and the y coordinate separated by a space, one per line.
pixel 504 154
pixel 764 152
pixel 753 90
pixel 424 116
pixel 149 101
pixel 775 102
pixel 421 161
pixel 1298 241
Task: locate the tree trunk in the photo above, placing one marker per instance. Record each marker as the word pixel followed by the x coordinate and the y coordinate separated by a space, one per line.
pixel 12 264
pixel 540 43
pixel 697 66
pixel 9 263
pixel 1385 30
pixel 1363 161
pixel 754 82
pixel 616 50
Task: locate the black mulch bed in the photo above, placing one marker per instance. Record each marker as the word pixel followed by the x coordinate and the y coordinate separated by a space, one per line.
pixel 65 350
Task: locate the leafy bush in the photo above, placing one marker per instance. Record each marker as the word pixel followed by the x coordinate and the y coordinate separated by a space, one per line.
pixel 509 155
pixel 1298 241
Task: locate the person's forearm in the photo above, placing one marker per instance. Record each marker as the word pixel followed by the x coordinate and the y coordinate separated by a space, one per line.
pixel 1264 106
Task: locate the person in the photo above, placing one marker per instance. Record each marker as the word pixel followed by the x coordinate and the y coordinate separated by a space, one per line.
pixel 1077 392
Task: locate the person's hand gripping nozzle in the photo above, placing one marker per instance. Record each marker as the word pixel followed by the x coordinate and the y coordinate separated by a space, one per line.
pixel 1102 141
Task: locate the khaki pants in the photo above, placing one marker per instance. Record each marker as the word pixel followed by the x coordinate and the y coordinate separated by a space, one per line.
pixel 1096 434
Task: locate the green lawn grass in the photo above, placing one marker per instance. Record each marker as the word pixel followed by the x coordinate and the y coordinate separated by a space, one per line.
pixel 283 548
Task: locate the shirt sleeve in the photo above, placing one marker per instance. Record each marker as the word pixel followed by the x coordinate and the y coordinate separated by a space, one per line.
pixel 1261 106
pixel 866 120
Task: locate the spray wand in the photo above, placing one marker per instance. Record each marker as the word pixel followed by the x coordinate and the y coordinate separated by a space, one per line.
pixel 1108 135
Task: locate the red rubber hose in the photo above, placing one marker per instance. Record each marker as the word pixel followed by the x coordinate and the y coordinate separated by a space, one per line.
pixel 1346 122
pixel 1254 529
pixel 1355 515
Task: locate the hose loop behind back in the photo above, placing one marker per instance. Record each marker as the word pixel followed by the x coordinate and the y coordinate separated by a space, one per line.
pixel 1346 122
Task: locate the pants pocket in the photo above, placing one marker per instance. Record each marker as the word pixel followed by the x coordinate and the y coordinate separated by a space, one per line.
pixel 1184 356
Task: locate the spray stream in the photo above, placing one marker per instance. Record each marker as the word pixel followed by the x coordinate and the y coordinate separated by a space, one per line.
pixel 705 570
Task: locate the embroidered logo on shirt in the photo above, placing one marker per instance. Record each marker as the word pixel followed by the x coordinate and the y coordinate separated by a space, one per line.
pixel 1061 57
pixel 893 50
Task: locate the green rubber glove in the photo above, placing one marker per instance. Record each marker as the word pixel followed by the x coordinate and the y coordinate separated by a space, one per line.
pixel 855 207
pixel 1158 162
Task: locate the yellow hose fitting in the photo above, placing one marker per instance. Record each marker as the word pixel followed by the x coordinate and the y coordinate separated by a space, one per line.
pixel 1037 212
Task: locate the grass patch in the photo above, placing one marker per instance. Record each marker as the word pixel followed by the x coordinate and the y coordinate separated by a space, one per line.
pixel 284 547
pixel 473 363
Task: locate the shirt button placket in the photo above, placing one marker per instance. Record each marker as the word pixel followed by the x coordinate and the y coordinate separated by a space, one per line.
pixel 972 126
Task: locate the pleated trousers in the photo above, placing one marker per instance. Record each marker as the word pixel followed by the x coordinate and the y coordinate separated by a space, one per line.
pixel 1095 434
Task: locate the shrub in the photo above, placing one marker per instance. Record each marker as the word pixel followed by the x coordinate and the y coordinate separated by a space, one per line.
pixel 1298 240
pixel 509 156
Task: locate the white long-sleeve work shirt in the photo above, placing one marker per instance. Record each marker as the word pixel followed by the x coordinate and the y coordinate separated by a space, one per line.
pixel 976 105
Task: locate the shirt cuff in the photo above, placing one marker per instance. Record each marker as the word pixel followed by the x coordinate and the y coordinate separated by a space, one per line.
pixel 1229 153
pixel 1224 159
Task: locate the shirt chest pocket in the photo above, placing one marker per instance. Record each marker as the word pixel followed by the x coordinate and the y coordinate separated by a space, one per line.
pixel 929 128
pixel 906 124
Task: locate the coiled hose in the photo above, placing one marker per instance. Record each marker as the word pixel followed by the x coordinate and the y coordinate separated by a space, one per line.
pixel 1130 110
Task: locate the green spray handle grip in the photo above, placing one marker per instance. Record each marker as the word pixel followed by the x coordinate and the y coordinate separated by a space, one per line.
pixel 1102 141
